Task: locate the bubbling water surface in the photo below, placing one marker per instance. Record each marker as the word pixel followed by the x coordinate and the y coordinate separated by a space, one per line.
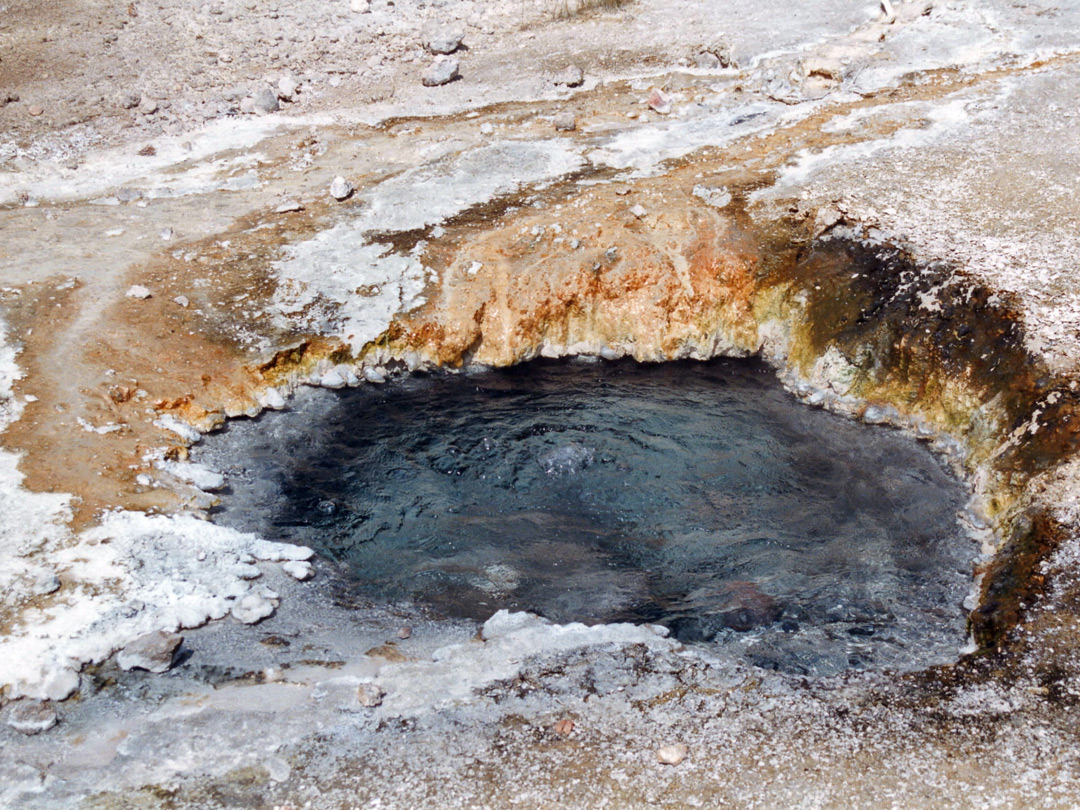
pixel 700 496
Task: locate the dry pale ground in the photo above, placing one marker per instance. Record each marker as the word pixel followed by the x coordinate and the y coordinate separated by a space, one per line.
pixel 128 157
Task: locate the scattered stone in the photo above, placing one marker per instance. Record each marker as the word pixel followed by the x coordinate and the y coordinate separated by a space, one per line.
pixel 153 652
pixel 36 110
pixel 360 6
pixel 8 98
pixel 341 189
pixel 126 195
pixel 564 728
pixel 639 211
pixel 183 301
pixel 265 101
pixel 716 197
pixel 672 754
pixel 565 122
pixel 130 101
pixel 404 633
pixel 288 88
pixel 272 398
pixel 570 77
pixel 298 569
pixel 486 129
pixel 46 583
pixel 254 607
pixel 446 41
pixel 659 102
pixel 148 106
pixel 715 55
pixel 443 70
pixel 288 206
pixel 31 716
pixel 165 234
pixel 707 61
pixel 827 216
pixel 375 376
pixel 278 769
pixel 138 291
pixel 389 651
pixel 370 695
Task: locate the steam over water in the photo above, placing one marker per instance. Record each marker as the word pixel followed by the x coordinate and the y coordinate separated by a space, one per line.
pixel 699 496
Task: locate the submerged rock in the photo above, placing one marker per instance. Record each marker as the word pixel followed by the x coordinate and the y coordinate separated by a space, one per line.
pixel 747 607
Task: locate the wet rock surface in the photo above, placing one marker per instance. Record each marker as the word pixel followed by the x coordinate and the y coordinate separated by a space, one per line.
pixel 697 496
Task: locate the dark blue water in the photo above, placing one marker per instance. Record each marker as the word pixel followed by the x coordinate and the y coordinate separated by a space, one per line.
pixel 700 496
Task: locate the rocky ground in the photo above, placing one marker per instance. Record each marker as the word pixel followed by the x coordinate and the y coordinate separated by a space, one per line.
pixel 609 179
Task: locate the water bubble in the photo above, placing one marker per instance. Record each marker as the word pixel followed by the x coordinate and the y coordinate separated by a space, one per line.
pixel 566 459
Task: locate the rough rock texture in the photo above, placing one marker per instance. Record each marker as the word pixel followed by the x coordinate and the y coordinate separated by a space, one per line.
pixel 443 70
pixel 31 716
pixel 153 652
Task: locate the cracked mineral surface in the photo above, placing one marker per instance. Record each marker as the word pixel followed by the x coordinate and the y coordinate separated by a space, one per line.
pixel 879 200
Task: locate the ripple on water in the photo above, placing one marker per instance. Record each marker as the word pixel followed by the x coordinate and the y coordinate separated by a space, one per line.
pixel 700 496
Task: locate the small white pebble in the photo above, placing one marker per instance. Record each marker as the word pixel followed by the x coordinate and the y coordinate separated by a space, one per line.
pixel 369 695
pixel 138 291
pixel 298 569
pixel 672 754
